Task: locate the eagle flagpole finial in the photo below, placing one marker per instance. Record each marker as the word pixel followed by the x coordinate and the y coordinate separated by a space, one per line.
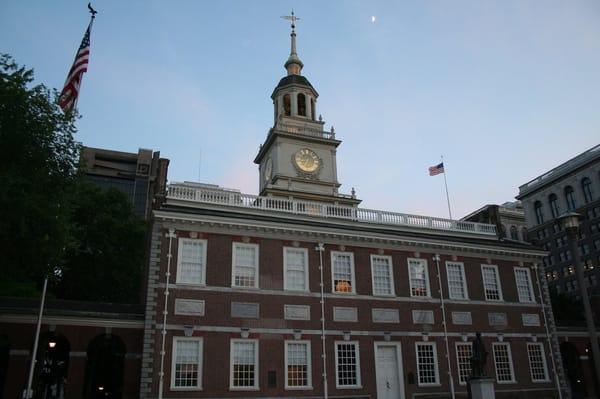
pixel 291 18
pixel 92 11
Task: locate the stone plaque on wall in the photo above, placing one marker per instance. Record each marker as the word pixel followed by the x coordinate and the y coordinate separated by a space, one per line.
pixel 345 314
pixel 497 319
pixel 531 319
pixel 245 310
pixel 296 312
pixel 190 307
pixel 462 318
pixel 385 315
pixel 422 316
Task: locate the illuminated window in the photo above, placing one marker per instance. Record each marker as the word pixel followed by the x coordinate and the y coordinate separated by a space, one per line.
pixel 297 365
pixel 418 277
pixel 244 364
pixel 186 368
pixel 342 271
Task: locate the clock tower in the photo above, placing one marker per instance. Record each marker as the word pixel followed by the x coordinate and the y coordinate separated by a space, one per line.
pixel 298 158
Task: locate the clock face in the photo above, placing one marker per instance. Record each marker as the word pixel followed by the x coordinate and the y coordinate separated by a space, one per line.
pixel 307 160
pixel 268 169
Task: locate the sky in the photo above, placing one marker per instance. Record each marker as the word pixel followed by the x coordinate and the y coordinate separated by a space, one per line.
pixel 505 90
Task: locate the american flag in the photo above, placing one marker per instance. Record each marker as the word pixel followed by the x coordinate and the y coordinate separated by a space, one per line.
pixel 436 170
pixel 69 94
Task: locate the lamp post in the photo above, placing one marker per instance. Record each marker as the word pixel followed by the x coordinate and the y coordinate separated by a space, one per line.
pixel 570 222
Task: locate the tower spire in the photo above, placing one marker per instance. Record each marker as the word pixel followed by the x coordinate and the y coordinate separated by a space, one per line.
pixel 293 64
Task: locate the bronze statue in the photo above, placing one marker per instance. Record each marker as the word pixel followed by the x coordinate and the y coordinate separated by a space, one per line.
pixel 479 358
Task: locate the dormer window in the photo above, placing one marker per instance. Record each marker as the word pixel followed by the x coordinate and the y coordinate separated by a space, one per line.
pixel 287 105
pixel 301 104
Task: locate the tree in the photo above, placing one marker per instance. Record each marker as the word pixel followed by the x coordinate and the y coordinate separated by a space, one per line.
pixel 37 167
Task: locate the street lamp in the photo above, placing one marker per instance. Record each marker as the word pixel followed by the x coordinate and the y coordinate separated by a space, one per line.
pixel 570 222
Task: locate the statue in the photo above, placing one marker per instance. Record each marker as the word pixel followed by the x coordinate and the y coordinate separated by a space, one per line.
pixel 479 358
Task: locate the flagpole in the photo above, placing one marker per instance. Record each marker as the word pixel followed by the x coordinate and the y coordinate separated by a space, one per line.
pixel 93 17
pixel 446 185
pixel 28 393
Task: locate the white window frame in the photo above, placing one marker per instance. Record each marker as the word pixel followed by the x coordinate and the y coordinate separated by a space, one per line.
pixel 529 284
pixel 174 360
pixel 357 352
pixel 427 286
pixel 391 275
pixel 456 345
pixel 180 244
pixel 353 282
pixel 234 246
pixel 435 359
pixel 464 280
pixel 285 269
pixel 255 387
pixel 545 364
pixel 308 363
pixel 500 295
pixel 510 362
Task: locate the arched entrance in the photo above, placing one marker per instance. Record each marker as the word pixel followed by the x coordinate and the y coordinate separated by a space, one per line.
pixel 573 369
pixel 104 368
pixel 52 366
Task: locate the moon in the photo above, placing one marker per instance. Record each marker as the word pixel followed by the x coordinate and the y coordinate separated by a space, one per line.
pixel 373 18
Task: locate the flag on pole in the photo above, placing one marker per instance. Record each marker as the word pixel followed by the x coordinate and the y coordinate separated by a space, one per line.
pixel 436 170
pixel 69 94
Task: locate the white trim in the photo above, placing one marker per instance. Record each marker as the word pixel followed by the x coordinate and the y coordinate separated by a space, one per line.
pixel 180 243
pixel 510 362
pixel 353 282
pixel 398 347
pixel 497 274
pixel 456 345
pixel 306 268
pixel 255 387
pixel 233 263
pixel 530 284
pixel 545 364
pixel 357 353
pixel 391 275
pixel 464 280
pixel 435 360
pixel 174 362
pixel 427 286
pixel 308 362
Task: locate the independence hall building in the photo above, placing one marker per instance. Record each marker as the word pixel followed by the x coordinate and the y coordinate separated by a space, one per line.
pixel 300 292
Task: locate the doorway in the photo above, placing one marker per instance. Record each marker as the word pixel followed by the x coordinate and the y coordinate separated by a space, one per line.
pixel 388 368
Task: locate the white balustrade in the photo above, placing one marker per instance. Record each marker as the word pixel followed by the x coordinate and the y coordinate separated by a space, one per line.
pixel 187 192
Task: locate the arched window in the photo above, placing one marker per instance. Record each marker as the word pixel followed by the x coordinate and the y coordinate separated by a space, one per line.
pixel 514 234
pixel 570 197
pixel 554 209
pixel 502 230
pixel 586 186
pixel 312 109
pixel 287 105
pixel 301 104
pixel 539 212
pixel 524 234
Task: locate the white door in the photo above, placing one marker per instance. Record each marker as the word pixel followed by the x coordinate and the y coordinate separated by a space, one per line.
pixel 388 370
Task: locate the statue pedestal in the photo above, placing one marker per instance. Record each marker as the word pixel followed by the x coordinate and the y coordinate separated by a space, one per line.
pixel 482 388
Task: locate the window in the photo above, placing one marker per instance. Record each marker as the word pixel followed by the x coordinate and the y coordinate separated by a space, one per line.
pixel 524 234
pixel 457 283
pixel 503 362
pixel 301 104
pixel 191 261
pixel 419 279
pixel 347 365
pixel 382 273
pixel 491 283
pixel 297 365
pixel 244 364
pixel 537 362
pixel 554 209
pixel 524 287
pixel 539 212
pixel 514 233
pixel 295 261
pixel 287 105
pixel 586 187
pixel 342 271
pixel 464 351
pixel 186 367
pixel 570 197
pixel 427 363
pixel 245 265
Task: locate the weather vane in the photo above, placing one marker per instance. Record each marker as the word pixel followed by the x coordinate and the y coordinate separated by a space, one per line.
pixel 292 18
